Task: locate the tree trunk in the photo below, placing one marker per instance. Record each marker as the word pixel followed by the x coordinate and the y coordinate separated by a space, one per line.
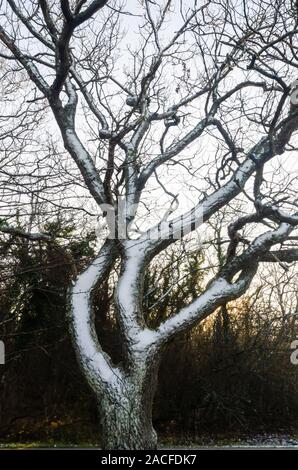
pixel 126 418
pixel 124 393
pixel 124 426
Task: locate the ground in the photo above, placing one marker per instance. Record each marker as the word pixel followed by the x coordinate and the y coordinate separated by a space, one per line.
pixel 261 440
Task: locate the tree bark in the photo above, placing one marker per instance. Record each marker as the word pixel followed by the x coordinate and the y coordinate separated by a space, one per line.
pixel 124 393
pixel 127 425
pixel 126 415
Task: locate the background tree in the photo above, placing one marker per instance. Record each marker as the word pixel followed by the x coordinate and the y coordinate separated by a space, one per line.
pixel 221 380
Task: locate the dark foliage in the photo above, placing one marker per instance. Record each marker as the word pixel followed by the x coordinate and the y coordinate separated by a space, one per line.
pixel 230 374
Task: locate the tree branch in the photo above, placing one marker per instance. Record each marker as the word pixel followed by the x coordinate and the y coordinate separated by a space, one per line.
pixel 223 288
pixel 26 62
pixel 94 361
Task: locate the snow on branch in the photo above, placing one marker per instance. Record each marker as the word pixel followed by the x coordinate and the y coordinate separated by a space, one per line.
pixel 25 61
pixel 92 358
pixel 224 287
pixel 16 232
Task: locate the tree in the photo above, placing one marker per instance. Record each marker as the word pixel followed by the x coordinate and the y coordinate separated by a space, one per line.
pixel 218 75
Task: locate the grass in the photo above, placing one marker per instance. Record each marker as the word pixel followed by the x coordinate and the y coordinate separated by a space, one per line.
pixel 169 442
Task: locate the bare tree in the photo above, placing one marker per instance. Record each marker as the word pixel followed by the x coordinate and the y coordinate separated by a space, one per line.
pixel 139 94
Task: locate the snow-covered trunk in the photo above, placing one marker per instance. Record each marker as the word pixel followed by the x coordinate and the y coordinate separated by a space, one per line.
pixel 126 410
pixel 126 415
pixel 124 393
